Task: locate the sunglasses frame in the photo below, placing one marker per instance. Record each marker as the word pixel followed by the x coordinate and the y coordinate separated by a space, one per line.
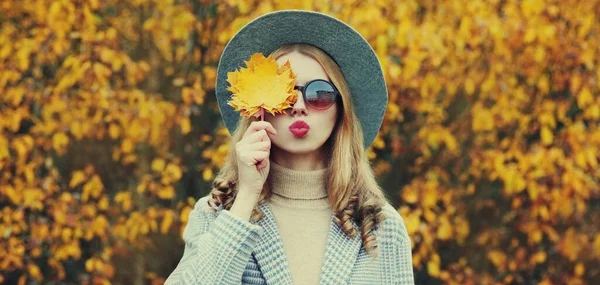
pixel 303 88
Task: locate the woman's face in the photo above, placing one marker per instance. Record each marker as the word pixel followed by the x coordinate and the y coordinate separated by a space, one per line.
pixel 320 122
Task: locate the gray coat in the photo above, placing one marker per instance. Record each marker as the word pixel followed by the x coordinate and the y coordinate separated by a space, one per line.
pixel 221 248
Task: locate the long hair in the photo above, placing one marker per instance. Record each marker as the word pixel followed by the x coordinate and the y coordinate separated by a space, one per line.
pixel 353 191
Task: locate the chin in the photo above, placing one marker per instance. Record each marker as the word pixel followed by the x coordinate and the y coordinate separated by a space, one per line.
pixel 301 146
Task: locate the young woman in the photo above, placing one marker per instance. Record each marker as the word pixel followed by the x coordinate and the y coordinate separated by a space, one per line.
pixel 296 201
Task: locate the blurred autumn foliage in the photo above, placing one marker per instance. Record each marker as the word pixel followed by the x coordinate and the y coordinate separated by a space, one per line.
pixel 109 132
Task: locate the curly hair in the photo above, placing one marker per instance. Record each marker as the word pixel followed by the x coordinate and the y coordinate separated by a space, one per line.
pixel 353 192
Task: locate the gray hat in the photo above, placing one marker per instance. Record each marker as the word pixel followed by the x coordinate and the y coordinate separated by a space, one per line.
pixel 356 58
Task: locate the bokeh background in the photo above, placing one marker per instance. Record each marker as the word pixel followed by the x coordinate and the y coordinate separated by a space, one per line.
pixel 110 131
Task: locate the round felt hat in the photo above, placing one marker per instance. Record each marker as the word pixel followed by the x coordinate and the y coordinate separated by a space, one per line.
pixel 356 58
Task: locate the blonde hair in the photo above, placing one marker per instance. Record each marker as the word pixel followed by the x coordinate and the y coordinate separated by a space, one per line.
pixel 353 190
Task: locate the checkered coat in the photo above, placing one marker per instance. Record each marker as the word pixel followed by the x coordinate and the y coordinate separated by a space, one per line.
pixel 221 248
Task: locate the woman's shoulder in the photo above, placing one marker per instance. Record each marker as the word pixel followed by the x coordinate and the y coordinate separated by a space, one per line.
pixel 204 215
pixel 392 229
pixel 203 206
pixel 209 212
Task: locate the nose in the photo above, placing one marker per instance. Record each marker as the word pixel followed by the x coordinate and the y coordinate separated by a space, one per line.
pixel 299 107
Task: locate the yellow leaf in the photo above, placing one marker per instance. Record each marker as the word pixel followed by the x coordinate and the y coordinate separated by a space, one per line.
pixel 185 214
pixel 99 226
pixel 410 195
pixel 166 222
pixel 545 281
pixel 584 98
pixel 429 197
pixel 93 188
pixel 124 198
pixel 429 215
pixel 462 227
pixel 209 75
pixel 597 245
pixel 539 257
pixel 579 269
pixel 149 24
pixel 33 198
pixel 23 58
pixel 158 165
pixel 141 188
pixel 15 196
pixel 186 95
pixel 263 84
pixel 77 130
pixel 127 146
pixel 67 234
pixel 469 86
pixel 167 192
pixel 207 174
pixel 173 171
pixel 178 81
pixel 107 55
pixel 3 148
pixel 586 23
pixel 498 258
pixel 535 236
pixel 483 120
pixel 592 112
pixel 433 266
pixel 186 125
pixel 444 231
pixel 59 142
pixel 103 204
pixel 532 7
pixel 547 136
pixel 76 179
pixel 378 143
pixel 34 271
pixel 114 131
pixel 412 223
pixel 15 95
pixel 89 265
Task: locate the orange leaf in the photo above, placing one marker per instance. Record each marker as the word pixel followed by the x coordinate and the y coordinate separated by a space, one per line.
pixel 263 84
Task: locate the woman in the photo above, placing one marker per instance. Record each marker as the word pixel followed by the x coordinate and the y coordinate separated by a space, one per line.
pixel 296 201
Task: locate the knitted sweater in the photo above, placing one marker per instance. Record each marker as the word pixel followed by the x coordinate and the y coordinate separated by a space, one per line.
pixel 302 213
pixel 221 248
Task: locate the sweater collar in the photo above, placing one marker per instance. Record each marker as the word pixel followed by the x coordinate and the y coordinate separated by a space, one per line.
pixel 297 184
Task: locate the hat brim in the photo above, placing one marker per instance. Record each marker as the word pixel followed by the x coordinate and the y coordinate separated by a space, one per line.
pixel 356 58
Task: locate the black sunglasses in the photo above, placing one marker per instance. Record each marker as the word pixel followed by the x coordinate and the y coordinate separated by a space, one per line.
pixel 320 94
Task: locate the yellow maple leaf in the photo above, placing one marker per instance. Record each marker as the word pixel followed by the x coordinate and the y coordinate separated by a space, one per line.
pixel 262 85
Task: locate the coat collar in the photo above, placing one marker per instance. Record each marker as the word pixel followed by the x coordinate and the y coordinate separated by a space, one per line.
pixel 340 254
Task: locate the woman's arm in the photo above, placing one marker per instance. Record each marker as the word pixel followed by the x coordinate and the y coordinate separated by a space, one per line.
pixel 398 247
pixel 216 249
pixel 405 267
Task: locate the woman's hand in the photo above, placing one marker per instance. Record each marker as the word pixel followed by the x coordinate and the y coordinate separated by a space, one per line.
pixel 252 153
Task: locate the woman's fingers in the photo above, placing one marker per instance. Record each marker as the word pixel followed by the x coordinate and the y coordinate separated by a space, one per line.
pixel 263 163
pixel 260 125
pixel 259 145
pixel 252 157
pixel 260 135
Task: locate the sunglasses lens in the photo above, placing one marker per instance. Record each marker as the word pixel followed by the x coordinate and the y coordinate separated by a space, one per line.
pixel 320 94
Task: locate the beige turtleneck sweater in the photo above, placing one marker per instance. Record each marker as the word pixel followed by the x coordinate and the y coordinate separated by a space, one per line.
pixel 303 215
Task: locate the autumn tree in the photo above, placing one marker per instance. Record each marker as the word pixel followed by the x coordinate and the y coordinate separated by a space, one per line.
pixel 109 133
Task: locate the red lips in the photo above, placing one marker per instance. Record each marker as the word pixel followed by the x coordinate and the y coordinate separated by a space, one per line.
pixel 299 128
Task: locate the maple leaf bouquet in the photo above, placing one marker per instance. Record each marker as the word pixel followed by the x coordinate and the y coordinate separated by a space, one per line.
pixel 262 85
